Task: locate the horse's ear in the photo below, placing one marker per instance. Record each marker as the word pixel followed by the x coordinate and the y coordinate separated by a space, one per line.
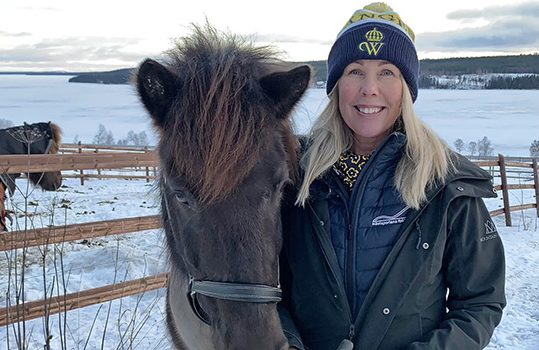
pixel 286 88
pixel 156 86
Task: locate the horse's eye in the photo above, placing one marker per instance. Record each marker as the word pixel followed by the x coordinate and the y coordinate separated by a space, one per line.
pixel 276 190
pixel 280 185
pixel 181 198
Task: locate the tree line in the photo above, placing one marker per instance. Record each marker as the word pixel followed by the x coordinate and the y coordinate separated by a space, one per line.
pixel 105 137
pixel 519 82
pixel 428 67
pixel 481 148
pixel 484 148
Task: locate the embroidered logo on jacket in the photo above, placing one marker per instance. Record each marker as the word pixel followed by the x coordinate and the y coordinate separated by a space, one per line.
pixel 390 219
pixel 490 231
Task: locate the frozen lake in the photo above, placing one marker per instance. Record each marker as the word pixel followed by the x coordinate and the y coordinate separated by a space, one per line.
pixel 509 118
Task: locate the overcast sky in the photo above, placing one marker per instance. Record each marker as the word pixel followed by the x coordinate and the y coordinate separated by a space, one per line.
pixel 101 35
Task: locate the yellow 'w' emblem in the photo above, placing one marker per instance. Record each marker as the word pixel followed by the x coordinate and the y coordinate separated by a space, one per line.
pixel 371 47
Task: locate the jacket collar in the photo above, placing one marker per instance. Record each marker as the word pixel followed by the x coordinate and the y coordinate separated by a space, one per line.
pixel 389 151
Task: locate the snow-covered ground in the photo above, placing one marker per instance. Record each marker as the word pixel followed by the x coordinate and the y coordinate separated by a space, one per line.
pixel 138 321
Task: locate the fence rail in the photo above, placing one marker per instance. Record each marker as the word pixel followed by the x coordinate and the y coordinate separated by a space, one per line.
pixel 78 147
pixel 78 157
pixel 35 309
pixel 69 233
pixel 14 164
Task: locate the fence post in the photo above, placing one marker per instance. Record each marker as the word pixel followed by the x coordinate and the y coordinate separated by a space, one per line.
pixel 536 184
pixel 81 172
pixel 98 169
pixel 505 191
pixel 147 168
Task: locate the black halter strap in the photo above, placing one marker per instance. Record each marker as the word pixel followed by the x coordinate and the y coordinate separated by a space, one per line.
pixel 232 291
pixel 241 292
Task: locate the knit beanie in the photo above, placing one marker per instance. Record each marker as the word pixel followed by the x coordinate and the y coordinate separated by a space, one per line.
pixel 375 32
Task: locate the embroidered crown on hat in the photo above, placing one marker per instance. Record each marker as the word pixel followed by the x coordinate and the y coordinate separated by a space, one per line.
pixel 374 35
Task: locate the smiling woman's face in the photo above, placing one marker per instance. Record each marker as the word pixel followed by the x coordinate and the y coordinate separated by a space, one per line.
pixel 370 96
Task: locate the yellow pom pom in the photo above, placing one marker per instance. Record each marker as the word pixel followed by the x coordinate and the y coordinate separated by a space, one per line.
pixel 379 7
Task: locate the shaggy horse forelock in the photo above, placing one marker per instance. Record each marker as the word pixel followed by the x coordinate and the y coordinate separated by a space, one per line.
pixel 225 128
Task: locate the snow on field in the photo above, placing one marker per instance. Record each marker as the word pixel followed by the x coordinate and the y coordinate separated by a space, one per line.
pixel 138 321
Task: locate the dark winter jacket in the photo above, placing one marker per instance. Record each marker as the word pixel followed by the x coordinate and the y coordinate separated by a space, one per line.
pixel 450 243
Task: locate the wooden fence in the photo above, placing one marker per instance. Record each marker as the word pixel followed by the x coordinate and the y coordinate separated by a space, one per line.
pixel 147 173
pixel 85 158
pixel 503 171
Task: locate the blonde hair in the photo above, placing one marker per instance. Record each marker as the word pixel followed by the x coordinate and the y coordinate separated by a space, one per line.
pixel 425 162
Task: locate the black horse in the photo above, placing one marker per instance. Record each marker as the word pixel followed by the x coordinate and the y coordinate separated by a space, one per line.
pixel 222 107
pixel 37 138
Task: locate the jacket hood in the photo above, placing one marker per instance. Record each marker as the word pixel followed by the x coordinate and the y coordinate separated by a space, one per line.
pixel 466 175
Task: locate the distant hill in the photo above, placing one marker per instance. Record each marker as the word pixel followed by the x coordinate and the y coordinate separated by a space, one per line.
pixel 119 76
pixel 481 65
pixel 454 67
pixel 41 73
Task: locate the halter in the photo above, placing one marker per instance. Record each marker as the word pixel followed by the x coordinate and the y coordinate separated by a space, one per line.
pixel 232 291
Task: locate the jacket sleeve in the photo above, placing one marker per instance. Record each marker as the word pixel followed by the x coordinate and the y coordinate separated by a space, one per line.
pixel 474 268
pixel 290 330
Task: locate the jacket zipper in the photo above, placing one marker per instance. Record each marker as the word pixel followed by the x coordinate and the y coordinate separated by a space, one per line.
pixel 349 272
pixel 356 198
pixel 352 333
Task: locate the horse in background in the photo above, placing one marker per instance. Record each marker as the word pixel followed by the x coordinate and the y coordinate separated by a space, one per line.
pixel 221 107
pixel 37 138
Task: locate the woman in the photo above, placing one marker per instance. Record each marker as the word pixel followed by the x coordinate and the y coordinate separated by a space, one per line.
pixel 387 241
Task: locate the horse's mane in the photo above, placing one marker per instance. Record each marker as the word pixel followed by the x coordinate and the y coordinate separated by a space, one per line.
pixel 221 122
pixel 56 138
